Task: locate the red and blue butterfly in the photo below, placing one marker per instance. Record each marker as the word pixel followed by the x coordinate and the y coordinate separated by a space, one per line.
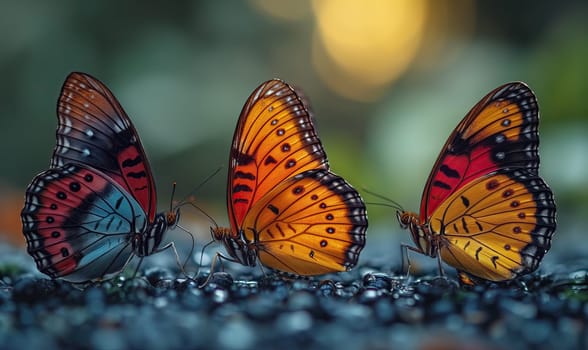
pixel 94 209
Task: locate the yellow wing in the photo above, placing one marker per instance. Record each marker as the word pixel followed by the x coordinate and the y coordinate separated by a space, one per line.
pixel 497 227
pixel 311 224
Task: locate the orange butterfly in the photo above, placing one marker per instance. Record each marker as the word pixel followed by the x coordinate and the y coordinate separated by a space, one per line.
pixel 484 209
pixel 286 208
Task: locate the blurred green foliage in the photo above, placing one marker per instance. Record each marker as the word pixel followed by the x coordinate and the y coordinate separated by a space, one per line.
pixel 183 69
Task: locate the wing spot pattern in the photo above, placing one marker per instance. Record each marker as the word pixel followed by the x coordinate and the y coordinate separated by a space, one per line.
pixel 323 206
pixel 127 163
pixel 329 217
pixel 61 195
pixel 89 178
pixel 492 184
pixel 441 184
pixel 464 224
pixel 477 255
pixel 330 230
pixel 324 243
pixel 286 147
pixel 505 122
pixel 64 252
pixel 314 197
pixel 507 193
pixel 507 247
pixel 137 175
pixel 273 209
pixel 298 190
pixel 269 160
pixel 280 132
pixel 74 186
pixel 53 206
pixel 465 201
pixel 291 163
pixel 494 258
pixel 515 204
pixel 242 175
pixel 522 215
pixel 55 234
pixel 516 229
pixel 449 172
pixel 241 188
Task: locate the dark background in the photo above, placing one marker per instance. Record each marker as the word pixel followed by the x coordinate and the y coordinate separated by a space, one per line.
pixel 388 82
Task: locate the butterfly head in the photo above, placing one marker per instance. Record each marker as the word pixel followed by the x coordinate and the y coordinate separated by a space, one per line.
pixel 172 217
pixel 421 234
pixel 236 245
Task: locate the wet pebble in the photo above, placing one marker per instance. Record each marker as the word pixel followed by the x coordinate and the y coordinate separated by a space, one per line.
pixel 243 308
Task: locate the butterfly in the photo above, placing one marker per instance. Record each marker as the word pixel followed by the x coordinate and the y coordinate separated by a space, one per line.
pixel 94 209
pixel 485 210
pixel 286 208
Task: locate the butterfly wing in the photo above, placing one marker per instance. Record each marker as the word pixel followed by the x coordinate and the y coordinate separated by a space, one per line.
pixel 498 226
pixel 78 223
pixel 93 129
pixel 275 139
pixel 499 132
pixel 313 223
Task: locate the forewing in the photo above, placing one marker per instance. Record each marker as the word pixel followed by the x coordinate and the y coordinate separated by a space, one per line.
pixel 501 131
pixel 93 129
pixel 275 139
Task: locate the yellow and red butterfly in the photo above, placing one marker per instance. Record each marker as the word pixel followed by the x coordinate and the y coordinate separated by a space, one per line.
pixel 286 208
pixel 484 209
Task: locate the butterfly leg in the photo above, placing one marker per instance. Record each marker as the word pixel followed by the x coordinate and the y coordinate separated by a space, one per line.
pixel 182 267
pixel 440 266
pixel 220 259
pixel 201 258
pixel 404 248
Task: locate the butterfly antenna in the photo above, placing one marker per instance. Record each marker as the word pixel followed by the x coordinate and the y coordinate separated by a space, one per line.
pixel 171 202
pixel 187 198
pixel 391 203
pixel 203 212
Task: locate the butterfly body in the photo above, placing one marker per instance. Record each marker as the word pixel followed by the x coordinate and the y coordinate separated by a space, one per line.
pixel 94 209
pixel 485 210
pixel 286 208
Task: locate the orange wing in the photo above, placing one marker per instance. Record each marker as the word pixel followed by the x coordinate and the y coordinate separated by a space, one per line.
pixel 499 132
pixel 275 139
pixel 498 226
pixel 313 223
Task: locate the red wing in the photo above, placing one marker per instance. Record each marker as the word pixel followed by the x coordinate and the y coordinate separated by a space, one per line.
pixel 499 132
pixel 275 139
pixel 94 130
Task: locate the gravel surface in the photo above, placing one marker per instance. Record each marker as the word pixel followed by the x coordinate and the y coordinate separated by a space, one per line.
pixel 371 307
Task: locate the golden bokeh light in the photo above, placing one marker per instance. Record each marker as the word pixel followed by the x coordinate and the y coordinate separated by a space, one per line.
pixel 371 42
